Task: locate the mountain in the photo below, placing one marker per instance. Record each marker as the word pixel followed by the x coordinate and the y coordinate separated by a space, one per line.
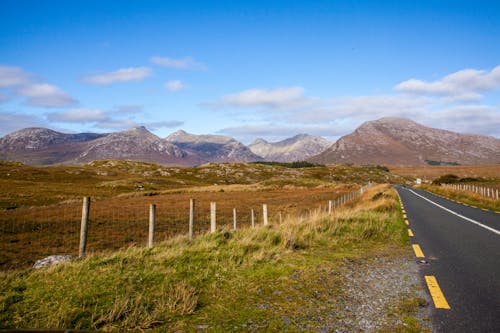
pixel 297 148
pixel 213 148
pixel 42 146
pixel 405 142
pixel 137 144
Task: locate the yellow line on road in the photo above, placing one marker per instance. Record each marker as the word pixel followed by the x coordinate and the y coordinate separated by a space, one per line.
pixel 410 233
pixel 418 251
pixel 436 293
pixel 406 221
pixel 404 216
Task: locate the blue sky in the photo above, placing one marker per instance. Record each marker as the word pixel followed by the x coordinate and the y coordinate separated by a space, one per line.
pixel 249 69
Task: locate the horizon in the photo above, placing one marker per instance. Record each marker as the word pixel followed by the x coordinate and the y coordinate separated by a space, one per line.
pixel 252 141
pixel 248 70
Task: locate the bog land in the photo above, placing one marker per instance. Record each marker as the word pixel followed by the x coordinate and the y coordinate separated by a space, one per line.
pixel 317 266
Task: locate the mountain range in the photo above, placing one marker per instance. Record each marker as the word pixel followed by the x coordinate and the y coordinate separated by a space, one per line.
pixel 384 141
pixel 297 148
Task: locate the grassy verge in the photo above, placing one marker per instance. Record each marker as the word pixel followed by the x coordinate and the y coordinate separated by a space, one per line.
pixel 286 277
pixel 466 197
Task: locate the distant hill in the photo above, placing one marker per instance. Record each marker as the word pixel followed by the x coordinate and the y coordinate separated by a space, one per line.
pixel 384 141
pixel 212 148
pixel 297 148
pixel 41 146
pixel 405 142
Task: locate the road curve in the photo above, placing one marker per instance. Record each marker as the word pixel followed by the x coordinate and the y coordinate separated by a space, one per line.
pixel 460 247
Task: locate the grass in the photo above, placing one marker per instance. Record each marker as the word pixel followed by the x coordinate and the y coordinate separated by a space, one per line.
pixel 466 197
pixel 279 278
pixel 428 172
pixel 26 186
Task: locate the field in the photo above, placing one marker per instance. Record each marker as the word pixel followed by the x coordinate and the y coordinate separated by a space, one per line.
pixel 26 186
pixel 42 206
pixel 488 172
pixel 300 275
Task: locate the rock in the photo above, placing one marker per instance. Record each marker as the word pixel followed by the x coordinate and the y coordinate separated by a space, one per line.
pixel 52 260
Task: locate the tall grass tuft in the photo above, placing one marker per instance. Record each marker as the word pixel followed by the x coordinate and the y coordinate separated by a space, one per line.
pixel 178 281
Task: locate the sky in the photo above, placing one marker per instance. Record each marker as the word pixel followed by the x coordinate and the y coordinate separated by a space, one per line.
pixel 249 69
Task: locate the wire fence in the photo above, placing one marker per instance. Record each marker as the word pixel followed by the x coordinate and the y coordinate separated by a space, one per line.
pixel 29 234
pixel 486 192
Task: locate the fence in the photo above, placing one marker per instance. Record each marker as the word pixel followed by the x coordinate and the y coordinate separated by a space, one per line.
pixel 33 233
pixel 483 191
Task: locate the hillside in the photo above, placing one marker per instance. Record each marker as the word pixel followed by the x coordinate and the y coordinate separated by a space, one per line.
pixel 297 148
pixel 400 141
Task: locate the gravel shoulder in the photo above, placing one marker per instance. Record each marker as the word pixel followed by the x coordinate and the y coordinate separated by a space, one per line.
pixel 381 293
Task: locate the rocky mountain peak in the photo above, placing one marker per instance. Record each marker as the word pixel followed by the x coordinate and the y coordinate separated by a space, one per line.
pixel 403 141
pixel 259 141
pixel 137 130
pixel 297 148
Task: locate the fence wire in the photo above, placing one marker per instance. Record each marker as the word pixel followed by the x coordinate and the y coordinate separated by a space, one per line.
pixel 29 234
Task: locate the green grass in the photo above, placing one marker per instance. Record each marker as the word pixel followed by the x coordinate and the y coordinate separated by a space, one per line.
pixel 278 278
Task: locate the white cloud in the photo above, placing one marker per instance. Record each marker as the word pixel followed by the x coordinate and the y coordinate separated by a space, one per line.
pixel 46 95
pixel 13 77
pixel 472 119
pixel 120 75
pixel 121 124
pixel 181 63
pixel 37 93
pixel 174 85
pixel 3 98
pixel 117 124
pixel 445 104
pixel 121 109
pixel 464 85
pixel 12 121
pixel 78 116
pixel 163 124
pixel 289 97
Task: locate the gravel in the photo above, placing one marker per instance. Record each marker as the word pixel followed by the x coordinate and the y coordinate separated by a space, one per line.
pixel 362 295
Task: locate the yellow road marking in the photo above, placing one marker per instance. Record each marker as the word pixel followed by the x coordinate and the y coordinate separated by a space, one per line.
pixel 406 221
pixel 410 233
pixel 418 251
pixel 404 211
pixel 436 293
pixel 404 216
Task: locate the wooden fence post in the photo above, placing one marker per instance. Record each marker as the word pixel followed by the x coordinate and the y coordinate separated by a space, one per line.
pixel 330 206
pixel 252 217
pixel 264 214
pixel 191 219
pixel 152 221
pixel 234 218
pixel 84 227
pixel 213 222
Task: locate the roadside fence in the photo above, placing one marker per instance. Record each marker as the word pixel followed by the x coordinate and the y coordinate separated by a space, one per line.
pixel 77 229
pixel 483 191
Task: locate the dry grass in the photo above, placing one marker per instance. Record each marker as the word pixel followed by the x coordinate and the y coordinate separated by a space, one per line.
pixel 28 234
pixel 433 172
pixel 220 280
pixel 25 186
pixel 466 197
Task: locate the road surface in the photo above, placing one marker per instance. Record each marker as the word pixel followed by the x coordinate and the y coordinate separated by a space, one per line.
pixel 459 247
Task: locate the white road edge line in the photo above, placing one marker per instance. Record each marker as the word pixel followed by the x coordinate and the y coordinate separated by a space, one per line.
pixel 455 213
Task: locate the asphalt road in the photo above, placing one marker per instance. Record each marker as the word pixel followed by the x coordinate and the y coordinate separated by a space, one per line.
pixel 463 254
